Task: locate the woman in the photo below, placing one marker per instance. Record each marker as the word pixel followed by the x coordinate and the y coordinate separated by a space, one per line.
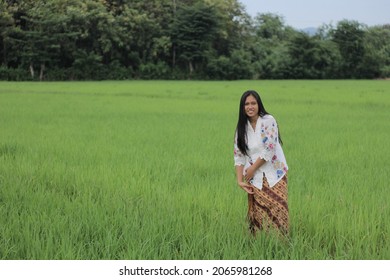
pixel 261 166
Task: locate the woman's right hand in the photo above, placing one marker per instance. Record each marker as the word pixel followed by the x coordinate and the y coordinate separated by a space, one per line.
pixel 246 187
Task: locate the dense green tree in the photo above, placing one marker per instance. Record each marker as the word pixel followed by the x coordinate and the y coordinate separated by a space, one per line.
pixel 230 57
pixel 177 39
pixel 376 60
pixel 311 58
pixel 233 27
pixel 349 36
pixel 270 46
pixel 237 66
pixel 269 27
pixel 7 24
pixel 11 25
pixel 40 41
pixel 192 34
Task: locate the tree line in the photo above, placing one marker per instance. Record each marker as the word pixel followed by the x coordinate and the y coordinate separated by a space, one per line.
pixel 178 39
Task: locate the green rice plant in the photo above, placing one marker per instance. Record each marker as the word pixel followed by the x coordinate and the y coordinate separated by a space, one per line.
pixel 144 170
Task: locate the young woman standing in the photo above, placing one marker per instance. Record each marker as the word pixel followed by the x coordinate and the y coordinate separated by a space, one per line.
pixel 261 166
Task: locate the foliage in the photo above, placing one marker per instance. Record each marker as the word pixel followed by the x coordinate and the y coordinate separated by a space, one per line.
pixel 376 60
pixel 192 33
pixel 311 58
pixel 179 39
pixel 349 36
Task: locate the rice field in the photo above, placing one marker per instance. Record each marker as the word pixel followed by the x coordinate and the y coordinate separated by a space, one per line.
pixel 143 170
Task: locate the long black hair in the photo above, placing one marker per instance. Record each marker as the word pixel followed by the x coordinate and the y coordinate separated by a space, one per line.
pixel 243 120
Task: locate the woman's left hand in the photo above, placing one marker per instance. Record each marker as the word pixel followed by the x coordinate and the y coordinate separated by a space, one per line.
pixel 249 173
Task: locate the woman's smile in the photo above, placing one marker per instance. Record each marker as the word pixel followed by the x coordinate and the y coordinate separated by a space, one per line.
pixel 251 107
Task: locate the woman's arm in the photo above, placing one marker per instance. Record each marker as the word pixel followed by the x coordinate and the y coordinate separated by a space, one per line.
pixel 240 180
pixel 239 173
pixel 250 171
pixel 239 162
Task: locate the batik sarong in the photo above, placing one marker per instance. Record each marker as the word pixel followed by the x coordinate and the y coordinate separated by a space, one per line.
pixel 268 209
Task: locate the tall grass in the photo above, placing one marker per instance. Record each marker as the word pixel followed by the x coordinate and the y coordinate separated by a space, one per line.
pixel 144 170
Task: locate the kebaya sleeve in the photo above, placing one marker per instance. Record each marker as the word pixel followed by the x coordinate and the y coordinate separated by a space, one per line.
pixel 269 138
pixel 239 158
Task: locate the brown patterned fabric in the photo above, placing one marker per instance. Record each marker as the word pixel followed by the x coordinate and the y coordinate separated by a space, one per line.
pixel 267 208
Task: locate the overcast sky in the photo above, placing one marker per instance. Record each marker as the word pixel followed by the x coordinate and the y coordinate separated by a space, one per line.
pixel 313 13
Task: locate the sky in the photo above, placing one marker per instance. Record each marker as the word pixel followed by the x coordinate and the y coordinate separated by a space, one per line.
pixel 313 13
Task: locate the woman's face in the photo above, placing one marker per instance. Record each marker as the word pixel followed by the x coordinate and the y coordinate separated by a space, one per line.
pixel 251 107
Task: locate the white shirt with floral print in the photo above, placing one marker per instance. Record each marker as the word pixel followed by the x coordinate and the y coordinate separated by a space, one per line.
pixel 263 142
